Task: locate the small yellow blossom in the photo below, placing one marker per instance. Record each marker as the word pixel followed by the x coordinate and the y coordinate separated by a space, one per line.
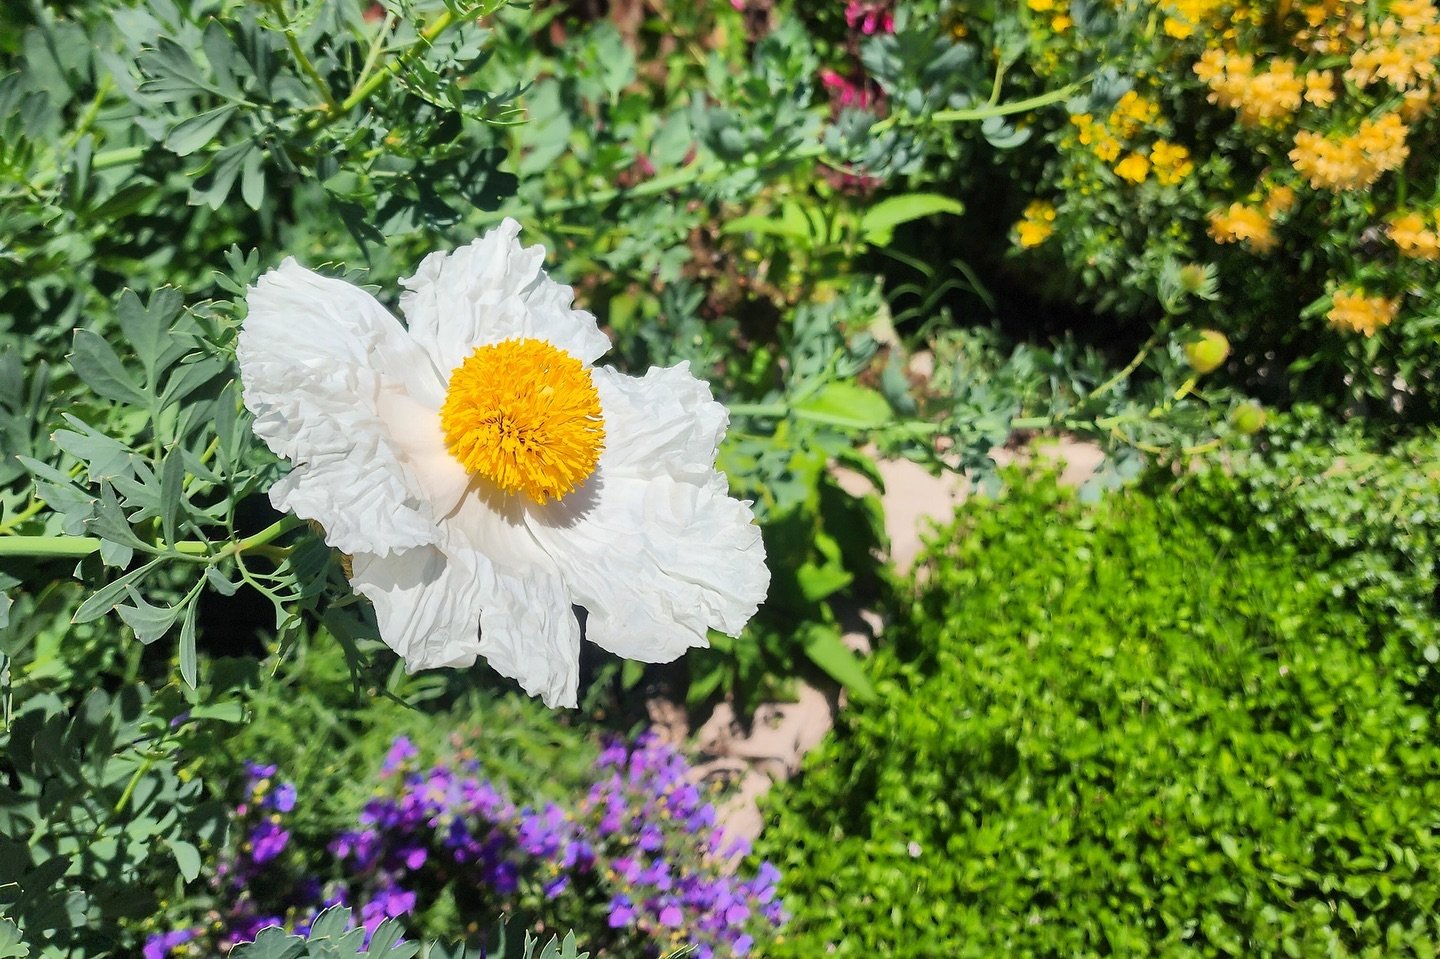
pixel 1352 310
pixel 1211 65
pixel 1036 224
pixel 1184 17
pixel 1041 6
pixel 1132 113
pixel 1171 161
pixel 1279 201
pixel 1061 23
pixel 1245 225
pixel 1319 88
pixel 1401 50
pixel 1178 29
pixel 1107 148
pixel 1135 168
pixel 1415 104
pixel 1411 237
pixel 1354 162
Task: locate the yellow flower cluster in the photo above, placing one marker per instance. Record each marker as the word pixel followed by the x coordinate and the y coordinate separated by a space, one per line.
pixel 1260 97
pixel 1353 162
pixel 1060 22
pixel 1036 224
pixel 1401 50
pixel 1279 201
pixel 1171 162
pixel 1135 167
pixel 1355 312
pixel 1243 224
pixel 1184 17
pixel 1331 26
pixel 1409 232
pixel 1097 136
pixel 1131 116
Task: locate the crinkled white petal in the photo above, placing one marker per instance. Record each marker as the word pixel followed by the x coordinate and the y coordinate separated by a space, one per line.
pixel 531 635
pixel 653 546
pixel 662 423
pixel 493 290
pixel 427 603
pixel 317 358
pixel 440 608
pixel 657 563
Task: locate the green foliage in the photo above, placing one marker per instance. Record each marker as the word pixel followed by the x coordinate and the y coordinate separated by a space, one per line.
pixel 695 175
pixel 157 469
pixel 99 819
pixel 331 938
pixel 1134 727
pixel 1367 512
pixel 328 728
pixel 134 125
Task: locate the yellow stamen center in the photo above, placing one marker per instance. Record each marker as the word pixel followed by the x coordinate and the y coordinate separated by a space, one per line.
pixel 526 416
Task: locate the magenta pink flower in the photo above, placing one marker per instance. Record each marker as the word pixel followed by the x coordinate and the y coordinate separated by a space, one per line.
pixel 868 17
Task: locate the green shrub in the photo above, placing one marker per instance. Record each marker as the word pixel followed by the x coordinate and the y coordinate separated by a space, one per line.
pixel 1119 729
pixel 1365 512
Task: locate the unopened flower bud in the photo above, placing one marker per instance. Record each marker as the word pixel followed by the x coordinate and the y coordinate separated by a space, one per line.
pixel 1248 418
pixel 1207 351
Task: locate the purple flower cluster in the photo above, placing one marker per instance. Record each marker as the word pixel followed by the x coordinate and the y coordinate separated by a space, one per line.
pixel 666 856
pixel 637 866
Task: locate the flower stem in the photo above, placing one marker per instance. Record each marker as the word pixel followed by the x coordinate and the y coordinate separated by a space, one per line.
pixel 48 547
pixel 368 85
pixel 307 66
pixel 76 547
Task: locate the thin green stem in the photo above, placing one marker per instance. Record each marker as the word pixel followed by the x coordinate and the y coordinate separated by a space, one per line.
pixel 87 119
pixel 145 766
pixel 307 66
pixel 76 547
pixel 104 160
pixel 763 410
pixel 367 87
pixel 995 87
pixel 48 547
pixel 971 114
pixel 273 531
pixel 377 45
pixel 35 507
pixel 1122 374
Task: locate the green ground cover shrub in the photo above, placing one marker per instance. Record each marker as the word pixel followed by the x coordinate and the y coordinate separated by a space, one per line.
pixel 1366 512
pixel 1131 728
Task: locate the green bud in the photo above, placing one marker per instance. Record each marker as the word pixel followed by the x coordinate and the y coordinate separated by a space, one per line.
pixel 1207 351
pixel 1248 418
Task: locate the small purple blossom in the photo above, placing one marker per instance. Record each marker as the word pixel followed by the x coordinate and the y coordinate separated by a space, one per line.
pixel 268 841
pixel 159 946
pixel 622 912
pixel 283 798
pixel 401 751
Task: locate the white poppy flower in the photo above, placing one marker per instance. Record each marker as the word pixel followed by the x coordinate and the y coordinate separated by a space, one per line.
pixel 484 476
